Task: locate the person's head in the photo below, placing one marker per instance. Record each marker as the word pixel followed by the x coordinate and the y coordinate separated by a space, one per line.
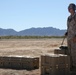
pixel 72 8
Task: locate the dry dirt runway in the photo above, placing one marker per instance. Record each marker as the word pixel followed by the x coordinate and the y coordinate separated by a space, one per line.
pixel 29 47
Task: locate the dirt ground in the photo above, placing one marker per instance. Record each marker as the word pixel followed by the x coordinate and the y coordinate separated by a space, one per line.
pixel 29 47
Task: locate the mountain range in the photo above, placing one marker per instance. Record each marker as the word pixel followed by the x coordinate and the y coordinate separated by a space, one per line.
pixel 45 31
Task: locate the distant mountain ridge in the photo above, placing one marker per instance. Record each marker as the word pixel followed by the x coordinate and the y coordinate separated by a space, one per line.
pixel 45 31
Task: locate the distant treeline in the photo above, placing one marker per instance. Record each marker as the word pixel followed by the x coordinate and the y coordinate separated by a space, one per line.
pixel 29 37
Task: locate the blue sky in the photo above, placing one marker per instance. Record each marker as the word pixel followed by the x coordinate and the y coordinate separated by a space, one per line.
pixel 24 14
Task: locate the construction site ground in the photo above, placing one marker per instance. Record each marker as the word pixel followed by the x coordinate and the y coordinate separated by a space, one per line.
pixel 28 47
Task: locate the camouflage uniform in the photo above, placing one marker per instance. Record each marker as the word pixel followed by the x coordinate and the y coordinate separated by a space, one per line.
pixel 71 29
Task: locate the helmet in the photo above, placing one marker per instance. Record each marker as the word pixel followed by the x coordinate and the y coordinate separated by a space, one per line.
pixel 72 6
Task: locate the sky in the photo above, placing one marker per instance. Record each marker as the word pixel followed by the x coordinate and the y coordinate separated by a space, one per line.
pixel 25 14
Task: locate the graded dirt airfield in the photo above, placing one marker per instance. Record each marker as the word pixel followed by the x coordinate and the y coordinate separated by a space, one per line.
pixel 28 47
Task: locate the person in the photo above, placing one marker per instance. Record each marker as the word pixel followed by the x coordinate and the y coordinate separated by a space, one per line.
pixel 71 34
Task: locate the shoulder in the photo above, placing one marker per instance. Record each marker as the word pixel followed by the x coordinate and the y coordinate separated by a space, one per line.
pixel 69 18
pixel 74 16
